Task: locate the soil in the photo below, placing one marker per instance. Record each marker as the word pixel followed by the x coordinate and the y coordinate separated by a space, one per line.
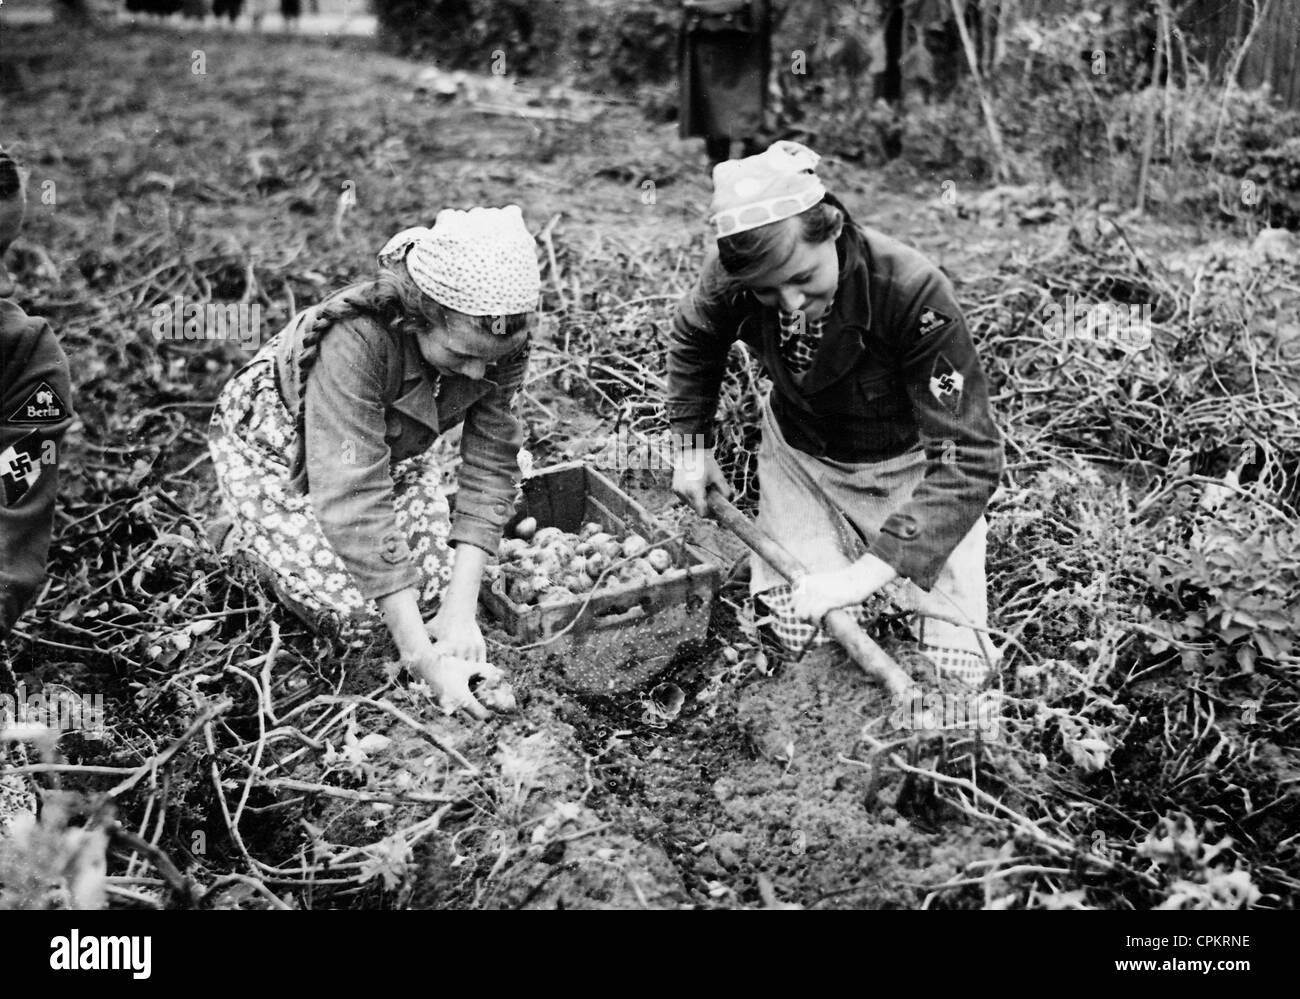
pixel 757 794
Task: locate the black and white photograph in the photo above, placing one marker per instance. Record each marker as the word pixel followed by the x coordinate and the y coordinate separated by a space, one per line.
pixel 497 455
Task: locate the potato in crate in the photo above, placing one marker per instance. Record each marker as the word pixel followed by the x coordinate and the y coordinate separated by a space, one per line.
pixel 584 561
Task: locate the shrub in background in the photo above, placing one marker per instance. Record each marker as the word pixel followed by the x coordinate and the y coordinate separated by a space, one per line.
pixel 599 44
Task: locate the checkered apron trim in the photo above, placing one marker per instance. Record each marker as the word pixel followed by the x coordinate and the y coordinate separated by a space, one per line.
pixel 251 433
pixel 797 635
pixel 960 664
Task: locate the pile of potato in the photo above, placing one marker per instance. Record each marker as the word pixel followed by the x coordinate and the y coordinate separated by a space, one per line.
pixel 549 565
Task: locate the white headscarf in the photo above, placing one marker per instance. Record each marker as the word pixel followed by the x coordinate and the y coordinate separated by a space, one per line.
pixel 776 184
pixel 482 262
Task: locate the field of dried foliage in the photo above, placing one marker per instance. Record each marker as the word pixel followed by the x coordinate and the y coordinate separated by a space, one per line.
pixel 1144 560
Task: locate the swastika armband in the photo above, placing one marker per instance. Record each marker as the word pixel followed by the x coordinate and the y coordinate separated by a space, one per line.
pixel 20 467
pixel 946 384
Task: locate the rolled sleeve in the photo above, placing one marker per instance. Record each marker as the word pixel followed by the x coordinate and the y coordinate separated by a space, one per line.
pixel 489 470
pixel 349 465
pixel 963 447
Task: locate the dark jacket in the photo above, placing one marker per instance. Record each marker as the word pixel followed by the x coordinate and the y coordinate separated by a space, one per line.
pixel 35 413
pixel 724 54
pixel 371 401
pixel 896 369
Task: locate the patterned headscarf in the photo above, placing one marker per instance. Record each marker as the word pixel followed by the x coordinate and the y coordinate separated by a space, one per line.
pixel 482 262
pixel 776 184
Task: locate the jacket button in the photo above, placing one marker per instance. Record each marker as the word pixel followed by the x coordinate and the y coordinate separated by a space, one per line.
pixel 500 508
pixel 394 551
pixel 910 530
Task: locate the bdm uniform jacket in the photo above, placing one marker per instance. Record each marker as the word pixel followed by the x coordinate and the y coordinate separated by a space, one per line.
pixel 895 369
pixel 35 413
pixel 372 400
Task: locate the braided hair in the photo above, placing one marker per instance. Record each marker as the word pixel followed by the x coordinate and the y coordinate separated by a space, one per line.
pixel 353 301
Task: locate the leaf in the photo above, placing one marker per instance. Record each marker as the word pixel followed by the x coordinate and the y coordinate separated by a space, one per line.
pixel 1246 658
pixel 1077 899
pixel 176 541
pixel 1089 755
pixel 374 743
pixel 387 859
pixel 1247 619
pixel 1266 645
pixel 350 756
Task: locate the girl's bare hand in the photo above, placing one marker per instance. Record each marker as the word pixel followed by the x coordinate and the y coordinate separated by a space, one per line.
pixel 694 471
pixel 457 634
pixel 449 676
pixel 818 593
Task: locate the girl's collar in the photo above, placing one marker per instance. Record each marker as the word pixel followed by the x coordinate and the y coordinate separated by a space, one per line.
pixel 849 248
pixel 850 291
pixel 413 363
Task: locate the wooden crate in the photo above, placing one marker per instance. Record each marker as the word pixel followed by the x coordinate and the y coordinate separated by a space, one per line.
pixel 628 631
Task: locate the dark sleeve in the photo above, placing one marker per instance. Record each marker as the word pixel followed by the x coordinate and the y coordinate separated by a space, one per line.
pixel 489 468
pixel 704 328
pixel 30 453
pixel 348 461
pixel 963 447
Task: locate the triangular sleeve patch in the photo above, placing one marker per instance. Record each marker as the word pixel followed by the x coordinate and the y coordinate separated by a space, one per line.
pixel 42 406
